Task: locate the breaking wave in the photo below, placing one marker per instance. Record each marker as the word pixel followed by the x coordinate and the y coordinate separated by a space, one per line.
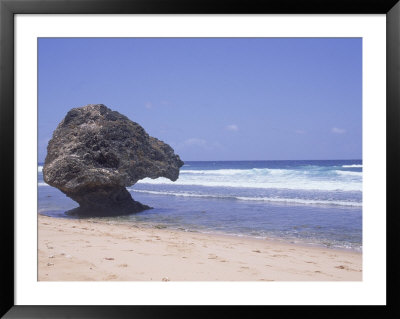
pixel 260 199
pixel 306 179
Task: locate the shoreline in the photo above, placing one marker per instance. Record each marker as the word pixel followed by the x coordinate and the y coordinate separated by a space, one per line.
pixel 85 250
pixel 156 226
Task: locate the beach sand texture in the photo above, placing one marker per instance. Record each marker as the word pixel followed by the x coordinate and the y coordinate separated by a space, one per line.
pixel 84 250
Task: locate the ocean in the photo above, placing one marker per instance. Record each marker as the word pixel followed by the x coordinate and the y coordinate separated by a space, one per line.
pixel 305 202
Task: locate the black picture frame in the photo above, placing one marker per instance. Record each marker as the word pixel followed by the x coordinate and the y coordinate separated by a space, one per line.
pixel 8 8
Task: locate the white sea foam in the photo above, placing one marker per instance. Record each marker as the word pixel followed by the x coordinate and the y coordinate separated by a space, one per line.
pixel 268 179
pixel 348 173
pixel 217 171
pixel 354 165
pixel 40 168
pixel 260 199
pixel 230 172
pixel 42 184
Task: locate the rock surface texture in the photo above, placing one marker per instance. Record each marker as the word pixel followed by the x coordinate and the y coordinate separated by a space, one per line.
pixel 96 152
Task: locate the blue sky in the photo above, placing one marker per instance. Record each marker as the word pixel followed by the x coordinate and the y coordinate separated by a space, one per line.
pixel 214 98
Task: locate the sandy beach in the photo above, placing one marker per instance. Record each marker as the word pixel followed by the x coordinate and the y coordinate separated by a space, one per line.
pixel 84 250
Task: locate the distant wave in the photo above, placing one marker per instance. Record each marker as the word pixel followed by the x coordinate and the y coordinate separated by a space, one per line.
pixel 354 165
pixel 312 178
pixel 359 174
pixel 236 171
pixel 262 199
pixel 268 178
pixel 214 171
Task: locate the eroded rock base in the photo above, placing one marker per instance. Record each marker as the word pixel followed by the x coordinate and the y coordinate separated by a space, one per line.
pixel 106 201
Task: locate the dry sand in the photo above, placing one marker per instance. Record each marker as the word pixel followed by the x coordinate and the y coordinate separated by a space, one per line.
pixel 80 250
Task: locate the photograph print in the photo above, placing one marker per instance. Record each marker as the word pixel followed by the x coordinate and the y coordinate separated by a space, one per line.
pixel 200 159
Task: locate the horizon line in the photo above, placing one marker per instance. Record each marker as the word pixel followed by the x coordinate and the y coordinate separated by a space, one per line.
pixel 263 160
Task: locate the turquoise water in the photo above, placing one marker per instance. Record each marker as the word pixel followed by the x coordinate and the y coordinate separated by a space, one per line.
pixel 309 202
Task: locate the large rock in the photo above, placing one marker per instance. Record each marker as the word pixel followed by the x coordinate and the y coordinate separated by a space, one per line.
pixel 96 152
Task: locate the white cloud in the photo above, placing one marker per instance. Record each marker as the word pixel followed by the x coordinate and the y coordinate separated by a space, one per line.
pixel 232 127
pixel 300 132
pixel 337 130
pixel 148 105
